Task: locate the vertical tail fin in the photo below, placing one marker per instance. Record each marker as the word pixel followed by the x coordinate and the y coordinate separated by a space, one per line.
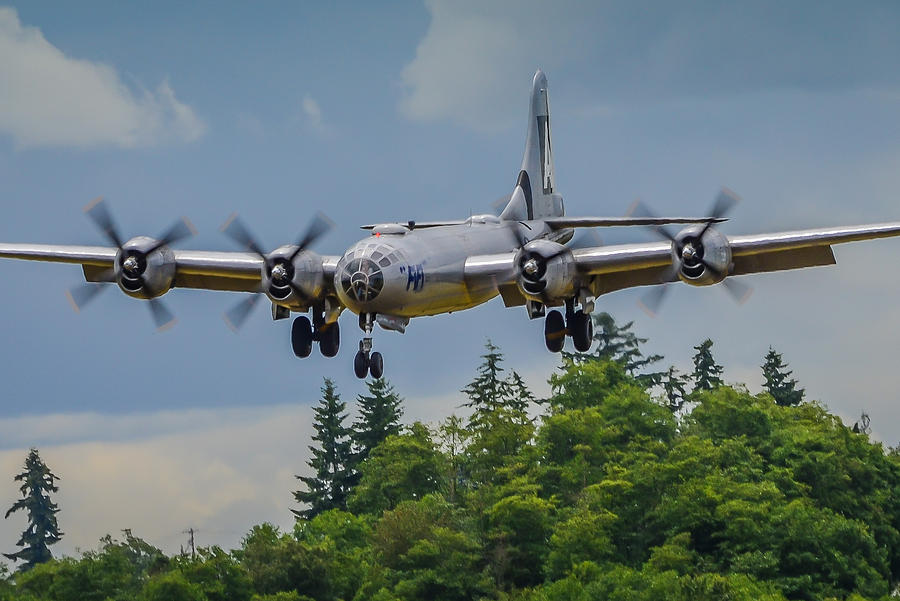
pixel 535 195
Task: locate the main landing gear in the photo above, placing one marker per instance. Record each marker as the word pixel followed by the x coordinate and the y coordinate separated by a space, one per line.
pixel 303 334
pixel 365 361
pixel 576 324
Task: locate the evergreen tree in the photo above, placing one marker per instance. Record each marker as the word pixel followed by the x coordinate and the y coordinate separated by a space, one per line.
pixel 379 417
pixel 618 343
pixel 329 487
pixel 783 390
pixel 519 397
pixel 674 385
pixel 488 391
pixel 707 373
pixel 37 484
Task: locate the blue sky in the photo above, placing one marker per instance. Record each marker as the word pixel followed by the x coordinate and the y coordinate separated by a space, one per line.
pixel 401 111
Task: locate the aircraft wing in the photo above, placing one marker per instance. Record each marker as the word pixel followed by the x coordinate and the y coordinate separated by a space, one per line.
pixel 620 266
pixel 209 270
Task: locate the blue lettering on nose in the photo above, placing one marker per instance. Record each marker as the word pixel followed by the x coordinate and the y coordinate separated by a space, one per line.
pixel 415 277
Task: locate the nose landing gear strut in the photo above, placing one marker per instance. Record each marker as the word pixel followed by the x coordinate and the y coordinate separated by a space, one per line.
pixel 365 361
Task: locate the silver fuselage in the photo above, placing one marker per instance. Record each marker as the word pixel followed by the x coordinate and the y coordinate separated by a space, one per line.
pixel 420 271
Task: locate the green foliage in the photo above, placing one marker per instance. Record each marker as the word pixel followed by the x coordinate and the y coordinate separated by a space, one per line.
pixel 379 417
pixel 42 531
pixel 171 586
pixel 707 373
pixel 405 466
pixel 619 344
pixel 331 458
pixel 611 495
pixel 783 390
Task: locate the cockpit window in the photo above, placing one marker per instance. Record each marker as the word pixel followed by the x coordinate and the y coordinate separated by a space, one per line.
pixel 362 279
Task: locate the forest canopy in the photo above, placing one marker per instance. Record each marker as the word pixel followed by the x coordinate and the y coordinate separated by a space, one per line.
pixel 619 485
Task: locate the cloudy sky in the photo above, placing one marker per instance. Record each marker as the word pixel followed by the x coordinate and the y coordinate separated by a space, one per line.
pixel 395 112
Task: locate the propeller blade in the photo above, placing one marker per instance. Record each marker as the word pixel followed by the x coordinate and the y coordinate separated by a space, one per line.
pixel 237 315
pixel 81 295
pixel 180 230
pixel 739 291
pixel 162 317
pixel 586 237
pixel 723 204
pixel 652 300
pixel 639 209
pixel 234 228
pixel 100 215
pixel 318 227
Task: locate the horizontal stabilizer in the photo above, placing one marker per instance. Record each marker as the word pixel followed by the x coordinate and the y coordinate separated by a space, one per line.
pixel 559 223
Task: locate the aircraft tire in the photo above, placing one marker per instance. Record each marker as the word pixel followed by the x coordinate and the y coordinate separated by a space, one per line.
pixel 582 330
pixel 360 365
pixel 554 331
pixel 301 337
pixel 330 340
pixel 376 365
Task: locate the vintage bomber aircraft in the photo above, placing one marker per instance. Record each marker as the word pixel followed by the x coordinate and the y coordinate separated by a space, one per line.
pixel 408 270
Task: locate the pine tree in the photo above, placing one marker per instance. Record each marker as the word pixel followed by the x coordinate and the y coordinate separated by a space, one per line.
pixel 329 487
pixel 37 484
pixel 618 343
pixel 707 373
pixel 379 417
pixel 783 390
pixel 488 391
pixel 674 385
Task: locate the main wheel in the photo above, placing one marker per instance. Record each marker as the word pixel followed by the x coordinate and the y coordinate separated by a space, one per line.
pixel 360 365
pixel 581 327
pixel 330 339
pixel 554 331
pixel 376 365
pixel 301 337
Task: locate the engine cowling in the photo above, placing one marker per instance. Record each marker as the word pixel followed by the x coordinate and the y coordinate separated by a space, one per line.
pixel 144 269
pixel 701 255
pixel 293 282
pixel 546 271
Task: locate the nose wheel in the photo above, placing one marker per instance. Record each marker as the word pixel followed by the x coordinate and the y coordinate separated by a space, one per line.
pixel 367 362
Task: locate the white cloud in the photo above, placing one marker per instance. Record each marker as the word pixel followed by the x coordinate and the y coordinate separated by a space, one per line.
pixel 312 115
pixel 469 67
pixel 220 471
pixel 50 99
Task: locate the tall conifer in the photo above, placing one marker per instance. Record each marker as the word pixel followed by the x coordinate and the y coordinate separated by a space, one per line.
pixel 707 373
pixel 778 384
pixel 379 417
pixel 330 460
pixel 37 484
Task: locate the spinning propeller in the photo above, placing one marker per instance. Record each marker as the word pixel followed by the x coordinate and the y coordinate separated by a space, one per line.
pixel 131 264
pixel 279 268
pixel 690 251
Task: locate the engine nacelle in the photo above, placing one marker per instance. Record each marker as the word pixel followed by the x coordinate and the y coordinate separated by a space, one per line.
pixel 703 258
pixel 144 269
pixel 546 271
pixel 283 277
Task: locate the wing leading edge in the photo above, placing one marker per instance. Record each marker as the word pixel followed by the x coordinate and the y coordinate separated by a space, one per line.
pixel 620 266
pixel 208 270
